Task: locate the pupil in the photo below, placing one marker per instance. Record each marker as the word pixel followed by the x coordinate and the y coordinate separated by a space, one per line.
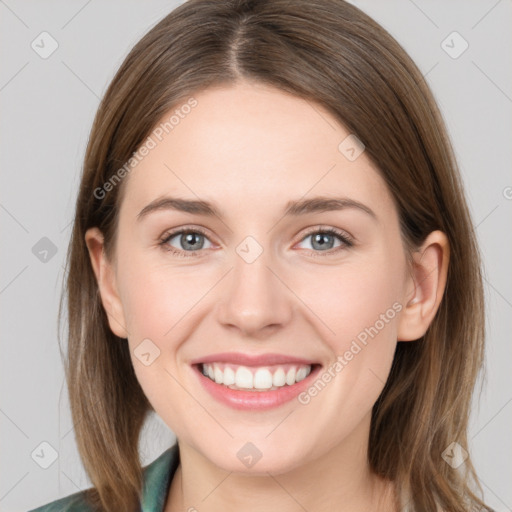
pixel 189 241
pixel 319 239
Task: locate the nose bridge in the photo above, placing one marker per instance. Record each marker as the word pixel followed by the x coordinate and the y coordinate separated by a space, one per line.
pixel 253 297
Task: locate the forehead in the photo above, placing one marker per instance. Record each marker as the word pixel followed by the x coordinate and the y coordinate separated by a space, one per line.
pixel 249 142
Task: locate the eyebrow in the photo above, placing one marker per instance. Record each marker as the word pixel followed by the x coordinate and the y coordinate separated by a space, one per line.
pixel 293 208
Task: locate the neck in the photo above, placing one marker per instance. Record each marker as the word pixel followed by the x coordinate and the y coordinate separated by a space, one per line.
pixel 339 479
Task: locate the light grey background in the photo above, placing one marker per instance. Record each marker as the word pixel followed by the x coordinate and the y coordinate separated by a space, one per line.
pixel 47 111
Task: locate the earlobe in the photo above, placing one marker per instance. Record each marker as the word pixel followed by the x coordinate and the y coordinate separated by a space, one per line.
pixel 105 277
pixel 425 288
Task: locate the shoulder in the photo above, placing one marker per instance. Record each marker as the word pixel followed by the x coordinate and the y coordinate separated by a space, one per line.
pixel 157 478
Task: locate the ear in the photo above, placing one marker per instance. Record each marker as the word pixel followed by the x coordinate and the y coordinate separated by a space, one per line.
pixel 105 276
pixel 425 286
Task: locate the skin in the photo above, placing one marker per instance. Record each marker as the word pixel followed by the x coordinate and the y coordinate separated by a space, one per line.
pixel 249 149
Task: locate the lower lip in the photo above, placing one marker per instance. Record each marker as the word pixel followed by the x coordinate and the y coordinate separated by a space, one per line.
pixel 255 400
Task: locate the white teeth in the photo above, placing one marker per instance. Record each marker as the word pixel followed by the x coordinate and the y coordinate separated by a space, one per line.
pixel 243 378
pixel 219 375
pixel 279 378
pixel 264 378
pixel 301 374
pixel 229 376
pixel 290 376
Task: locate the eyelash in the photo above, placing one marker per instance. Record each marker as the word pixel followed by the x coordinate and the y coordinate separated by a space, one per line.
pixel 342 236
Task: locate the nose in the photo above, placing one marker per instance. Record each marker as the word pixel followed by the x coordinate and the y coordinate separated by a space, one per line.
pixel 254 299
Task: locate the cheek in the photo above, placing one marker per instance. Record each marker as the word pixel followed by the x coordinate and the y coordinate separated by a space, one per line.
pixel 359 304
pixel 354 296
pixel 156 298
pixel 357 301
pixel 366 301
pixel 157 302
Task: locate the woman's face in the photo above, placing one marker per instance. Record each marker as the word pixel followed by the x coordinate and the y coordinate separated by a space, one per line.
pixel 260 280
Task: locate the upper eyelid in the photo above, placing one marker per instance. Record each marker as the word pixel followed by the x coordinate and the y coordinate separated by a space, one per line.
pixel 168 235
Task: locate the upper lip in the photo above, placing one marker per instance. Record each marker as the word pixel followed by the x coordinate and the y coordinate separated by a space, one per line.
pixel 252 359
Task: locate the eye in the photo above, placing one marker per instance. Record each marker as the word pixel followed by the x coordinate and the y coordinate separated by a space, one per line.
pixel 188 241
pixel 323 240
pixel 191 241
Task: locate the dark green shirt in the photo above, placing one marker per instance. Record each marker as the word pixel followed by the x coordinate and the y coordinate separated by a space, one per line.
pixel 157 480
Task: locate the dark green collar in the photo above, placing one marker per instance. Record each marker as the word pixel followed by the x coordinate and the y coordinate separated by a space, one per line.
pixel 157 480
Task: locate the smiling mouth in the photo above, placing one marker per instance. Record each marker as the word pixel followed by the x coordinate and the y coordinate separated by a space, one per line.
pixel 257 379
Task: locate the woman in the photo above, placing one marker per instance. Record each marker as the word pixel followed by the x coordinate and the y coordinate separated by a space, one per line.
pixel 272 251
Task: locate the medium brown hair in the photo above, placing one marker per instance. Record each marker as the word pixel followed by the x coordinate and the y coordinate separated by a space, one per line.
pixel 331 53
